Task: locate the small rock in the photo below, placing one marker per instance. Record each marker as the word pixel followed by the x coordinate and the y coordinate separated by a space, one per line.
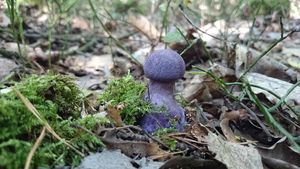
pixel 107 160
pixel 116 160
pixel 6 66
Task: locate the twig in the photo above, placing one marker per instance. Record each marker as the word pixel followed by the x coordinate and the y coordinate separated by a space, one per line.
pixel 34 148
pixel 187 142
pixel 281 27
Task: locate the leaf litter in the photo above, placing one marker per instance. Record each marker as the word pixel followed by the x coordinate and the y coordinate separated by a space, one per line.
pixel 226 127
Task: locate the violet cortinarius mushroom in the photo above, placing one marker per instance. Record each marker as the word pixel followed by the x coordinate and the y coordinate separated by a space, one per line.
pixel 163 68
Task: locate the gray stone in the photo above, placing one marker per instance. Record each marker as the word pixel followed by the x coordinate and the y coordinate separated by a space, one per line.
pixel 6 66
pixel 115 160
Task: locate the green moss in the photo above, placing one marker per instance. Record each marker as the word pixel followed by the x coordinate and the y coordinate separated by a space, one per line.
pixel 58 100
pixel 128 92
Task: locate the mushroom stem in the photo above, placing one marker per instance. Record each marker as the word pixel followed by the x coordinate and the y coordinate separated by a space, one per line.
pixel 160 93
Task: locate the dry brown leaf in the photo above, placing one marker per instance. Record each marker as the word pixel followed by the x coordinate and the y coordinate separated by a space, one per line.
pixel 96 65
pixel 199 132
pixel 114 114
pixel 133 148
pixel 142 24
pixel 204 88
pixel 226 117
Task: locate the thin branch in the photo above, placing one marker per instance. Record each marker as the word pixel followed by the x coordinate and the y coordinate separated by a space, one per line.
pixel 34 148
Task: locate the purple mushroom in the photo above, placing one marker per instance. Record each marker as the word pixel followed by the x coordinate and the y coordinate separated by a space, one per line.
pixel 163 68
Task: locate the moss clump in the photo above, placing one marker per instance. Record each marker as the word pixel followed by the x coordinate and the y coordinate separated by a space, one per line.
pixel 58 100
pixel 128 92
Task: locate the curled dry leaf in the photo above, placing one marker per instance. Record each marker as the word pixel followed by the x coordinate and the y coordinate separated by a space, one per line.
pixel 202 88
pixel 226 117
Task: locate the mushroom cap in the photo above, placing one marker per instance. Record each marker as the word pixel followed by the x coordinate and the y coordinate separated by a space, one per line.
pixel 164 65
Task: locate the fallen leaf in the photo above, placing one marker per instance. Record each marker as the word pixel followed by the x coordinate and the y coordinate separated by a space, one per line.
pixel 97 65
pixel 267 65
pixel 114 113
pixel 199 132
pixel 280 151
pixel 291 51
pixel 141 23
pixel 133 148
pixel 192 163
pixel 233 155
pixel 115 160
pixel 226 117
pixel 279 87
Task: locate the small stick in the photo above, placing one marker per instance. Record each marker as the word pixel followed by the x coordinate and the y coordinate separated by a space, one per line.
pixel 34 148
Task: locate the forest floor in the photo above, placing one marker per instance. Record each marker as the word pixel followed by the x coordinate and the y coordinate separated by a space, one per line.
pixel 240 90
